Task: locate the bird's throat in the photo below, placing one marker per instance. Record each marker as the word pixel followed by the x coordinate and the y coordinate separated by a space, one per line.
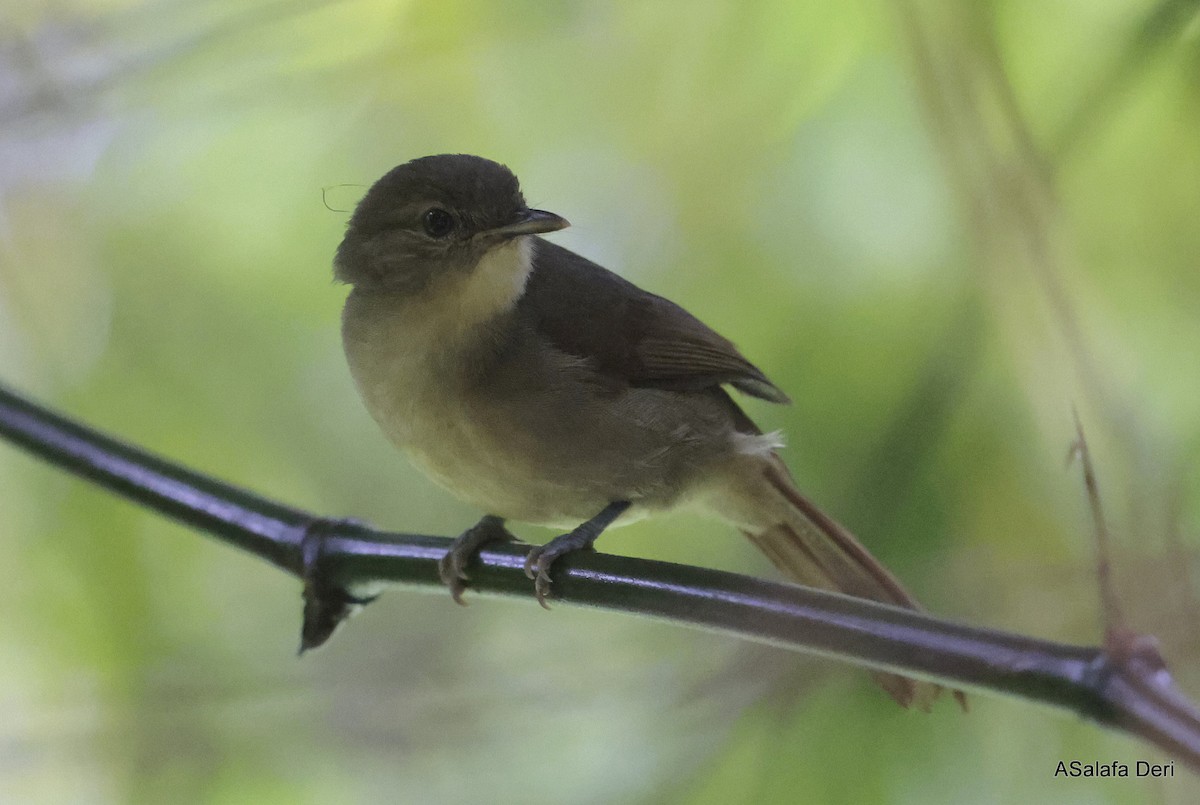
pixel 495 284
pixel 399 336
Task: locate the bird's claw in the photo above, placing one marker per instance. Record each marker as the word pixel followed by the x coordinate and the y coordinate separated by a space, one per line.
pixel 537 568
pixel 452 572
pixel 452 568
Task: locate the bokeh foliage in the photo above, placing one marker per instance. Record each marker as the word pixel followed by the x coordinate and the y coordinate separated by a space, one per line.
pixel 937 225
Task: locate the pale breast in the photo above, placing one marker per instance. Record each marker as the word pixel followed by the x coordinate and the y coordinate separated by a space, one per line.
pixel 403 349
pixel 407 358
pixel 468 441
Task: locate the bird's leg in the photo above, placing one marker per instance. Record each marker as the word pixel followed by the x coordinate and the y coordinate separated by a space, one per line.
pixel 539 560
pixel 326 604
pixel 453 566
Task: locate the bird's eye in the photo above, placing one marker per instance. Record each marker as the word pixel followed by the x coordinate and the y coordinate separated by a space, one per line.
pixel 437 222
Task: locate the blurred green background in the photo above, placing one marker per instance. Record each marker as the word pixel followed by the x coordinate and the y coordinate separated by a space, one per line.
pixel 938 226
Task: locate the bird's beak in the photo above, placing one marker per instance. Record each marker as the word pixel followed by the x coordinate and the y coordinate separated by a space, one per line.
pixel 530 222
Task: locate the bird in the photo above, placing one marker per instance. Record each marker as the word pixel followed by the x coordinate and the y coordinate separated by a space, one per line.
pixel 542 388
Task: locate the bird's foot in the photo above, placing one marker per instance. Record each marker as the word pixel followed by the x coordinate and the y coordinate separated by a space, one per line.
pixel 453 566
pixel 540 559
pixel 326 604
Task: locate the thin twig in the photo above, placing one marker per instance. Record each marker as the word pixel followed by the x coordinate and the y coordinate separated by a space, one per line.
pixel 1128 690
pixel 1110 604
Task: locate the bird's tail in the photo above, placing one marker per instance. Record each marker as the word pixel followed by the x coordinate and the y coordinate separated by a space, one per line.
pixel 814 550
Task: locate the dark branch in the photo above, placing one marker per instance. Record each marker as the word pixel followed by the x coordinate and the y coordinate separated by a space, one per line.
pixel 1125 687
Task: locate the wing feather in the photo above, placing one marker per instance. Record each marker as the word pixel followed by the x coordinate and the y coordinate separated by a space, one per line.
pixel 630 334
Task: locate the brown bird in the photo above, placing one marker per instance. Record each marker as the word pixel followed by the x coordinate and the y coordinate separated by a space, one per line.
pixel 541 387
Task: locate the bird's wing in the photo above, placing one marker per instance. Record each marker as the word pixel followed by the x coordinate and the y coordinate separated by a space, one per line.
pixel 629 334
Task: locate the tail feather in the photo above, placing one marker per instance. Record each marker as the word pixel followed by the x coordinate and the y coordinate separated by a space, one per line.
pixel 817 540
pixel 812 549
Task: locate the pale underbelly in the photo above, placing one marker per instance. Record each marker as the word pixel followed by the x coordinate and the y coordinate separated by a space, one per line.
pixel 547 461
pixel 498 470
